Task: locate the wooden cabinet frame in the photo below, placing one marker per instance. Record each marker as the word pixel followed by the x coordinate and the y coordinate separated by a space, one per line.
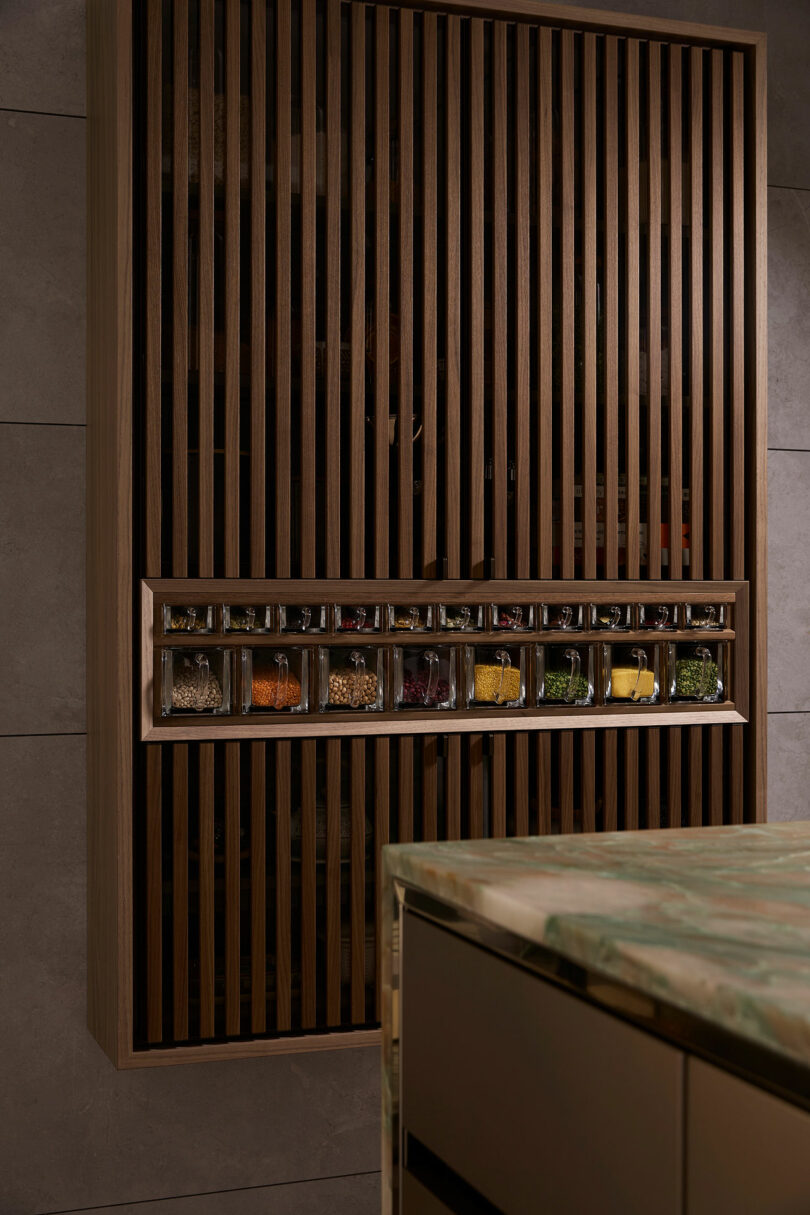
pixel 113 607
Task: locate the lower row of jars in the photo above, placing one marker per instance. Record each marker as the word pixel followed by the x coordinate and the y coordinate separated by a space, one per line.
pixel 339 678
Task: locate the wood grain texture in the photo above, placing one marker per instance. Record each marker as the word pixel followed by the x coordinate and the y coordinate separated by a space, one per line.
pixel 632 319
pixel 382 812
pixel 452 464
pixel 283 333
pixel 610 744
pixel 406 310
pixel 109 525
pixel 233 935
pixel 736 289
pixel 498 787
pixel 475 808
pixel 695 769
pixel 453 788
pixel 674 784
pixel 154 896
pixel 309 885
pixel 283 809
pixel 611 423
pixel 588 778
pixel 232 288
pixel 652 739
pixel 406 790
pixel 717 502
pixel 382 270
pixel 476 172
pixel 207 909
pixel 543 745
pixel 589 290
pixel 358 879
pixel 154 239
pixel 522 783
pixel 258 288
pixel 180 291
pixel 332 284
pixel 333 910
pixel 654 311
pixel 567 425
pixel 500 302
pixel 696 302
pixel 206 301
pixel 429 102
pixel 180 893
pixel 258 887
pixel 357 497
pixel 675 151
pixel 309 522
pixel 544 280
pixel 630 782
pixel 566 771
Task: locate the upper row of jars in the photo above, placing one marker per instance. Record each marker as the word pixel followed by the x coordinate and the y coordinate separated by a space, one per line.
pixel 458 618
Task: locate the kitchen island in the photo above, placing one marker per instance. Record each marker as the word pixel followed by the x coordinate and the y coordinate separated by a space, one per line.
pixel 599 1022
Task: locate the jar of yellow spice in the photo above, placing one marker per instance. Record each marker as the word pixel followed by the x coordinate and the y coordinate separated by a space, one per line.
pixel 496 676
pixel 631 673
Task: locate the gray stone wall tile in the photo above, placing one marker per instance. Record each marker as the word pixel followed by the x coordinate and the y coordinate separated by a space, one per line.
pixel 788 766
pixel 42 56
pixel 788 581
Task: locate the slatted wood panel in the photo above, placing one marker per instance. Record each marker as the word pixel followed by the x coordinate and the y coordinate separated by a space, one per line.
pixel 431 296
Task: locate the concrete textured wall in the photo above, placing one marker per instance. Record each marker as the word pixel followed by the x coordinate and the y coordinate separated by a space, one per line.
pixel 295 1134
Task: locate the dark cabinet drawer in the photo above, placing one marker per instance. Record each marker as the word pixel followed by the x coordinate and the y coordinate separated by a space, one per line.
pixel 535 1098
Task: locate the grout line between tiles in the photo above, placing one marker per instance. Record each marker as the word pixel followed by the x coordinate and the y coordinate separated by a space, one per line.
pixel 49 734
pixel 10 109
pixel 73 425
pixel 800 450
pixel 272 1185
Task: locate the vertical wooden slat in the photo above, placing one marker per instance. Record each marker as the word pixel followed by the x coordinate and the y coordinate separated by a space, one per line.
pixel 332 285
pixel 232 186
pixel 736 793
pixel 566 781
pixel 206 303
pixel 281 352
pixel 258 355
pixel 308 528
pixel 258 891
pixel 652 738
pixel 567 319
pixel 611 471
pixel 406 789
pixel 453 787
pixel 452 463
pixel 654 312
pixel 543 274
pixel 589 338
pixel 674 794
pixel 696 308
pixel 180 295
pixel 716 781
pixel 180 891
pixel 154 896
pixel 498 787
pixel 588 779
pixel 283 900
pixel 475 504
pixel 543 780
pixel 309 883
pixel 523 537
pixel 675 316
pixel 500 266
pixel 357 497
pixel 632 305
pixel 382 368
pixel 152 308
pixel 382 795
pixel 717 322
pixel 232 892
pixel 737 318
pixel 695 776
pixel 630 780
pixel 358 878
pixel 475 743
pixel 429 790
pixel 206 835
pixel 521 783
pixel 405 426
pixel 333 844
pixel 429 293
pixel 610 779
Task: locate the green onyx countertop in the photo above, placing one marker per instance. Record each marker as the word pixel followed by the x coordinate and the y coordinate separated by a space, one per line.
pixel 713 921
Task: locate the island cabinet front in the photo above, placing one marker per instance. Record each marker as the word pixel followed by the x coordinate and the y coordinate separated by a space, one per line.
pixel 519 1097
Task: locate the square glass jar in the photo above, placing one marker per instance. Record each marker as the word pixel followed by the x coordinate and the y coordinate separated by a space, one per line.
pixel 196 681
pixel 513 618
pixel 237 618
pixel 351 679
pixel 424 678
pixel 275 681
pixel 565 617
pixel 658 617
pixel 610 617
pixel 461 617
pixel 697 672
pixel 293 618
pixel 356 619
pixel 705 615
pixel 194 619
pixel 410 618
pixel 496 676
pixel 632 673
pixel 565 674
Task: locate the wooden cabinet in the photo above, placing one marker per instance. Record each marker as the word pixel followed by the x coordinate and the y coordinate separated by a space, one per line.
pixel 395 307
